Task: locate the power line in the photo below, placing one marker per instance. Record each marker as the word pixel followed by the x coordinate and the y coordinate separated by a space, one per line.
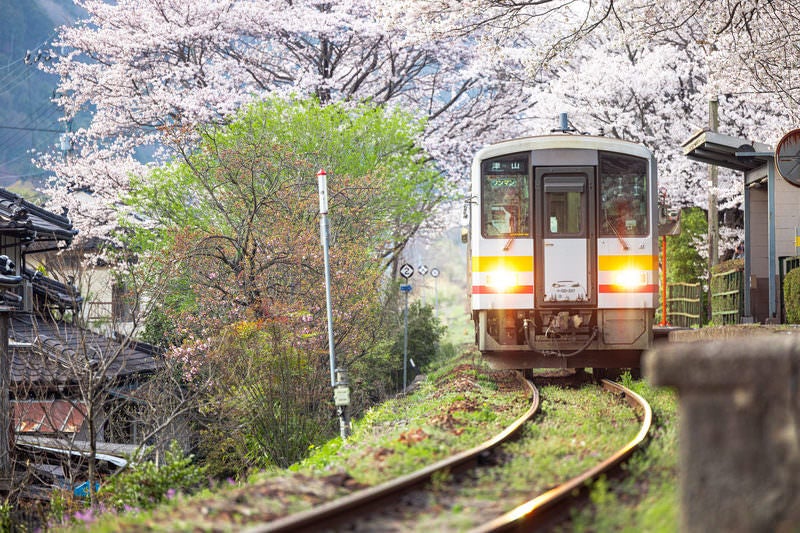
pixel 23 128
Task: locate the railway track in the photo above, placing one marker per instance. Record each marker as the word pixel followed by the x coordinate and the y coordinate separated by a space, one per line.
pixel 349 513
pixel 551 506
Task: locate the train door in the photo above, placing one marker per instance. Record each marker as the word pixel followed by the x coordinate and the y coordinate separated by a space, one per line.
pixel 564 235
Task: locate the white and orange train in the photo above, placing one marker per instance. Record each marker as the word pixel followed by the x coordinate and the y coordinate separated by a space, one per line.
pixel 563 252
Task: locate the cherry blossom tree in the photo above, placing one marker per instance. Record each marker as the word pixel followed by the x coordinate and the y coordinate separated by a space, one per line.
pixel 750 44
pixel 643 71
pixel 657 92
pixel 144 68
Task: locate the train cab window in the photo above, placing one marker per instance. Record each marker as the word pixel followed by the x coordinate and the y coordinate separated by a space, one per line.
pixel 506 197
pixel 623 195
pixel 564 205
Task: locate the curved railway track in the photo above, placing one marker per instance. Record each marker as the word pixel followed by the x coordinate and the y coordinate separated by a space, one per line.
pixel 538 512
pixel 553 504
pixel 326 516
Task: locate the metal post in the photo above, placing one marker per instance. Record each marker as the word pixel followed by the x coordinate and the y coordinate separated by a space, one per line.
pixel 322 182
pixel 436 296
pixel 748 308
pixel 339 389
pixel 405 343
pixel 771 253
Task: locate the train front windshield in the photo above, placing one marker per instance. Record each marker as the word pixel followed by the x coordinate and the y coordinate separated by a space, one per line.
pixel 623 195
pixel 506 197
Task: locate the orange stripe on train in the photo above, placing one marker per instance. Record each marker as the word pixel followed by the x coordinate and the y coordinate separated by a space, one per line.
pixel 622 262
pixel 513 263
pixel 619 289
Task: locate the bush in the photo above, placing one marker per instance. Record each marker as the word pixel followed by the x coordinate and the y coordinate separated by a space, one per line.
pixel 424 333
pixel 144 485
pixel 269 399
pixel 791 296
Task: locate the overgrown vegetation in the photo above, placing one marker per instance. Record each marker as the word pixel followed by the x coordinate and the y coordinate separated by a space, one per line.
pixel 145 484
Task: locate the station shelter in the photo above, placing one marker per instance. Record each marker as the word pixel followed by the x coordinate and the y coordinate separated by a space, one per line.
pixel 771 207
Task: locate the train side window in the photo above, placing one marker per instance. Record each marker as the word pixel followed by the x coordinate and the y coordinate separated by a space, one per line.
pixel 506 198
pixel 623 195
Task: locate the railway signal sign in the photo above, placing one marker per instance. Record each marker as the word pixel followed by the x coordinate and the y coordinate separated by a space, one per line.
pixel 422 269
pixel 434 272
pixel 406 271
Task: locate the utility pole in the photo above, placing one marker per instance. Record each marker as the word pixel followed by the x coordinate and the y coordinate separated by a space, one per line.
pixel 713 174
pixel 713 217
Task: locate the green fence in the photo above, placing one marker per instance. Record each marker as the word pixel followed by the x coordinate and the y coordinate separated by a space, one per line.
pixel 727 297
pixel 683 304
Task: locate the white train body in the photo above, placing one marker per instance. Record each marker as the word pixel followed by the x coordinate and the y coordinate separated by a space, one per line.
pixel 563 252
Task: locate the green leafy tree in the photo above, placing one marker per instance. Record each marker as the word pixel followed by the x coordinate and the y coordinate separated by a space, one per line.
pixel 235 224
pixel 684 262
pixel 424 333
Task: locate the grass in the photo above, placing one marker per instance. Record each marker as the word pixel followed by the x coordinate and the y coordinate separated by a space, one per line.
pixel 458 406
pixel 570 435
pixel 647 499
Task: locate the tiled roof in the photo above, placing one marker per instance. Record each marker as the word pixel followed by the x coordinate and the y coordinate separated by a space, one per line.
pixel 31 222
pixel 51 292
pixel 47 353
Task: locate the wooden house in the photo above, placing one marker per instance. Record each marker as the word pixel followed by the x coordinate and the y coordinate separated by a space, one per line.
pixel 53 362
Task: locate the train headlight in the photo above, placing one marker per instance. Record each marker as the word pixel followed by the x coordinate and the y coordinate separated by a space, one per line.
pixel 501 280
pixel 631 278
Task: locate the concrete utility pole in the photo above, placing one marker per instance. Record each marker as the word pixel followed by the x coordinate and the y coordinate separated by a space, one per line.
pixel 713 217
pixel 713 174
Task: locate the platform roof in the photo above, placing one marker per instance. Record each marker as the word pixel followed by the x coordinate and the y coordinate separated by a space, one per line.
pixel 718 149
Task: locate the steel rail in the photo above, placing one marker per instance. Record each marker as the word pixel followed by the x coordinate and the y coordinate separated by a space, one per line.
pixel 547 507
pixel 327 515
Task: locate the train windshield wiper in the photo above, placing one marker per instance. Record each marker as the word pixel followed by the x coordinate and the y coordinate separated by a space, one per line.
pixel 614 229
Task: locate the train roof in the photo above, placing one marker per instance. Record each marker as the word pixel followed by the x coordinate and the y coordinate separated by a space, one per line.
pixel 564 141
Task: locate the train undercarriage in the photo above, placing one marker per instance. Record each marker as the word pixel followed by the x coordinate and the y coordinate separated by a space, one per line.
pixel 564 338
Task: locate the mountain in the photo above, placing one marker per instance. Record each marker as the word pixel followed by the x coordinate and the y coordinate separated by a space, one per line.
pixel 28 118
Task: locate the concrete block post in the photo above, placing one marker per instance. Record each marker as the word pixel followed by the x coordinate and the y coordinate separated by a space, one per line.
pixel 739 434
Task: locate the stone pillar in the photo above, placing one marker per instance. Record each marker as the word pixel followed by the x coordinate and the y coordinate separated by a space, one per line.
pixel 739 412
